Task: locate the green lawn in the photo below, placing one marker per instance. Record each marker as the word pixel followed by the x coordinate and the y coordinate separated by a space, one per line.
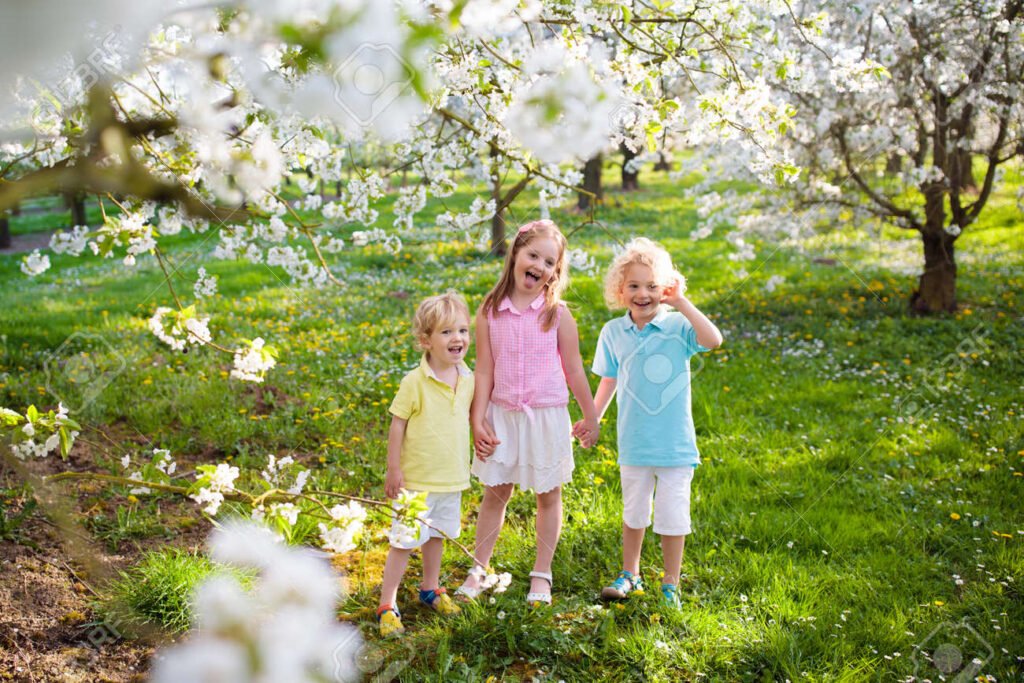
pixel 861 485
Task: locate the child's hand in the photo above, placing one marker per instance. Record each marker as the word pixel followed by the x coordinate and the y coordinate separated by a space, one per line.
pixel 674 290
pixel 485 439
pixel 587 432
pixel 394 482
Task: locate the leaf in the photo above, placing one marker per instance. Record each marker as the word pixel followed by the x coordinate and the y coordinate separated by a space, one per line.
pixel 65 443
pixel 32 413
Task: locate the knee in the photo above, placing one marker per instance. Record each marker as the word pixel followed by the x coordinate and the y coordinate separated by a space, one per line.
pixel 549 500
pixel 498 495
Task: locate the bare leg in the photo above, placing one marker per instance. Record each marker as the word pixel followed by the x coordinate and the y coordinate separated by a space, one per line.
pixel 394 569
pixel 432 551
pixel 632 544
pixel 672 556
pixel 549 529
pixel 488 525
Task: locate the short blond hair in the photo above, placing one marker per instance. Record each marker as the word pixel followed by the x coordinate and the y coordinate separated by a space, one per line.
pixel 642 251
pixel 437 311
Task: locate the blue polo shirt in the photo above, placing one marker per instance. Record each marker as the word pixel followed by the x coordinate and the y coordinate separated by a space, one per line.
pixel 652 370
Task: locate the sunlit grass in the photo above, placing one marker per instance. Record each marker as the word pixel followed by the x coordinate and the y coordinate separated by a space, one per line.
pixel 831 529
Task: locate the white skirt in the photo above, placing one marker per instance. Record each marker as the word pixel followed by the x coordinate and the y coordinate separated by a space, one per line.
pixel 535 450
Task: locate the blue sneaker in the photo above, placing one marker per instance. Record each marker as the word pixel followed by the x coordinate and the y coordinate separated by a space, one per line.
pixel 670 596
pixel 622 586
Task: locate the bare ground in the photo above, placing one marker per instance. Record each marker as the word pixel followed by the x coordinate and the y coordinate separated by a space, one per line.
pixel 52 575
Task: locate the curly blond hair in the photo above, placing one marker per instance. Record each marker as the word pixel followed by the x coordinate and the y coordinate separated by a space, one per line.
pixel 642 251
pixel 435 312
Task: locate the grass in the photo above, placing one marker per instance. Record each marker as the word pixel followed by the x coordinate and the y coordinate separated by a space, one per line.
pixel 157 591
pixel 861 477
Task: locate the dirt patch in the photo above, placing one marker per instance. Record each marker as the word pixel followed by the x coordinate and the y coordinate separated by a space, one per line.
pixel 52 577
pixel 49 630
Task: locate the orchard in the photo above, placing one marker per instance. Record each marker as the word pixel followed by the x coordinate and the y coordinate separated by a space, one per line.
pixel 217 222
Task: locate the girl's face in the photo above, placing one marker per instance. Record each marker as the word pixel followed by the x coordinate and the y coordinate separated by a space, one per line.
pixel 640 292
pixel 449 343
pixel 535 265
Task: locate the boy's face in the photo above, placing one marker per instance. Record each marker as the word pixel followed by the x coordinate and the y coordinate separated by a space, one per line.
pixel 449 343
pixel 640 292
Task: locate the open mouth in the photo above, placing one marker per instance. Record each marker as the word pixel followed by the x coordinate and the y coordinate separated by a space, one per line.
pixel 532 277
pixel 642 304
pixel 457 348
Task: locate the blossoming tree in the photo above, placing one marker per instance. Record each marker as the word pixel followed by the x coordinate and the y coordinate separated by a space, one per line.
pixel 896 106
pixel 194 119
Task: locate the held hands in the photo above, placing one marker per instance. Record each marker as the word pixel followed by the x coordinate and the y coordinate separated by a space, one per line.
pixel 394 482
pixel 485 440
pixel 587 431
pixel 674 292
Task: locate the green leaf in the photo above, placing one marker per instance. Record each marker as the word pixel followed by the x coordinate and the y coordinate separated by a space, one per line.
pixel 32 413
pixel 65 443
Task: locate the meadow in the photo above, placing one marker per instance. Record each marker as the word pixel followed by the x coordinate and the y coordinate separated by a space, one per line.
pixel 859 495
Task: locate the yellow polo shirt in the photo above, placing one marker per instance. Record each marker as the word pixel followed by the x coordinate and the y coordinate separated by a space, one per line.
pixel 436 451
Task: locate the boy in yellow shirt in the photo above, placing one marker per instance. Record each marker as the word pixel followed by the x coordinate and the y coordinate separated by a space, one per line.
pixel 429 451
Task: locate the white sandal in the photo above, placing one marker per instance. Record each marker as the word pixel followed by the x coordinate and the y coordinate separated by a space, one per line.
pixel 535 599
pixel 470 593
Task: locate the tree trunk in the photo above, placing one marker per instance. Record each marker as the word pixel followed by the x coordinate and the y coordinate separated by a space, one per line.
pixel 5 233
pixel 76 202
pixel 591 183
pixel 630 179
pixel 893 164
pixel 498 245
pixel 962 161
pixel 936 292
pixel 663 164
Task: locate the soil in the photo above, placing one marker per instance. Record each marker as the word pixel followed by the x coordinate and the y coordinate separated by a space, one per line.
pixel 54 571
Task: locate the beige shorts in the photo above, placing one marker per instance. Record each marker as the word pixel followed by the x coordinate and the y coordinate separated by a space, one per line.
pixel 668 488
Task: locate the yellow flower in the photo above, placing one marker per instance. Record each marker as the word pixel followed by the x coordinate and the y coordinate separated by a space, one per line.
pixel 939 603
pixel 598 481
pixel 954 516
pixel 132 499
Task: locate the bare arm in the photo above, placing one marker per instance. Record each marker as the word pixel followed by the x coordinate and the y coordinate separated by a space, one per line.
pixel 394 481
pixel 708 334
pixel 483 379
pixel 576 377
pixel 603 395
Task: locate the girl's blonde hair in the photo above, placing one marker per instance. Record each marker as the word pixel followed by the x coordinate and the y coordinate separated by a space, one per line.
pixel 553 290
pixel 642 251
pixel 435 312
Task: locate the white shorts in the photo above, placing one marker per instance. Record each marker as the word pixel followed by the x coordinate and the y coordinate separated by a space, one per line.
pixel 444 511
pixel 671 498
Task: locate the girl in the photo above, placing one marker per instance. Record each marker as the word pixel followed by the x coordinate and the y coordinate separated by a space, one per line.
pixel 527 351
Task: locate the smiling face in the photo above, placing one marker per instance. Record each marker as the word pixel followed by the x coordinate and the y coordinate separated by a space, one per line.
pixel 449 342
pixel 641 293
pixel 536 265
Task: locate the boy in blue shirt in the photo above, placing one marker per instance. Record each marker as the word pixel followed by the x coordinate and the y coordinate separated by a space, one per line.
pixel 645 354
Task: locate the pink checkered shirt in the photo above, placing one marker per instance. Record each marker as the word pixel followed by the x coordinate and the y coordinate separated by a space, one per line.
pixel 527 365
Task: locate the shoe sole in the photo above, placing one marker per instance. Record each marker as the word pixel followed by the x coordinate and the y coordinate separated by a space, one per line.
pixel 608 593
